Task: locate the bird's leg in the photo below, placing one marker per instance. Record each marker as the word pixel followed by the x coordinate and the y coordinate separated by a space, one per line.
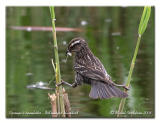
pixel 66 83
pixel 125 87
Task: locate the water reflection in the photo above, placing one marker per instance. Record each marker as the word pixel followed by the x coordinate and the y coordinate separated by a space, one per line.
pixel 40 85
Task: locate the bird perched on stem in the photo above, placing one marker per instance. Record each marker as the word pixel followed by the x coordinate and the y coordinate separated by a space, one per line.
pixel 89 69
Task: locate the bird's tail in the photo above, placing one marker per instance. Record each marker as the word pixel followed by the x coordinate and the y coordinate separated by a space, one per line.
pixel 104 91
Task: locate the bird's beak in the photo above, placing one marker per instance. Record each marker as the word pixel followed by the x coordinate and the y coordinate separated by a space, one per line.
pixel 68 53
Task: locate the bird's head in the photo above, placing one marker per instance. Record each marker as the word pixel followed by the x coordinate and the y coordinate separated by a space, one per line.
pixel 75 45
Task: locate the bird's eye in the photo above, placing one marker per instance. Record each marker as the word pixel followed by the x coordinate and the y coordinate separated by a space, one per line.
pixel 72 47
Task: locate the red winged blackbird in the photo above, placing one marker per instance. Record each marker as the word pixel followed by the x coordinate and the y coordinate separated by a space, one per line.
pixel 90 70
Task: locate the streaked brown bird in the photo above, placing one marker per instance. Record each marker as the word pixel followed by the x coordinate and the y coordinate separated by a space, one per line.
pixel 90 70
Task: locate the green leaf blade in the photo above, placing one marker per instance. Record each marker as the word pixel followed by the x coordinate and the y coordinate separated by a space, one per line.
pixel 144 20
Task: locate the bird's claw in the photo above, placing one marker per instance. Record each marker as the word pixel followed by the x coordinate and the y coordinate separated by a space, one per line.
pixel 61 83
pixel 126 87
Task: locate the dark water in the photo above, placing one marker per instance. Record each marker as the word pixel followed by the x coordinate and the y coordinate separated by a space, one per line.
pixel 111 33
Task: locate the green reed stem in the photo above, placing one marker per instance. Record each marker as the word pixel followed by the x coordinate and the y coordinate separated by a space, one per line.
pixel 59 90
pixel 142 27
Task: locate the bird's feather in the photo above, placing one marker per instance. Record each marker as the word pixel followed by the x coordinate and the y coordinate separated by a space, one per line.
pixel 104 91
pixel 91 67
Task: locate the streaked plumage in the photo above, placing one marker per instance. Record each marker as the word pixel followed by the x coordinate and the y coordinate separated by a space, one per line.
pixel 90 70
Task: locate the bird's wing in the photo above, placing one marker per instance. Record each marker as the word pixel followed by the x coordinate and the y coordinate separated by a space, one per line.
pixel 94 70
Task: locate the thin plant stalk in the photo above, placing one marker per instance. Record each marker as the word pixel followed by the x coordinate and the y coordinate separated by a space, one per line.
pixel 59 90
pixel 122 103
pixel 142 27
